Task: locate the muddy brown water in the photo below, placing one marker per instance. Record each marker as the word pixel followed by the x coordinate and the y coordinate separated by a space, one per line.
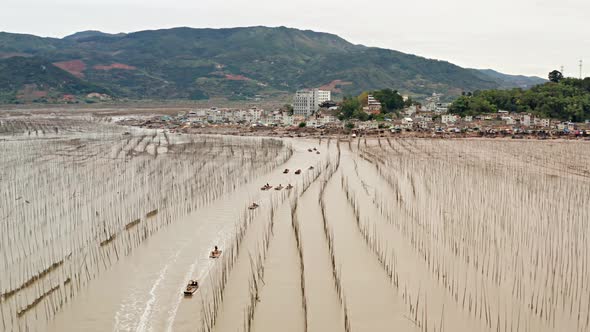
pixel 425 235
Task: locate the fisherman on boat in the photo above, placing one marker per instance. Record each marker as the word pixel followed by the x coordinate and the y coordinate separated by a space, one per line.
pixel 215 253
pixel 191 287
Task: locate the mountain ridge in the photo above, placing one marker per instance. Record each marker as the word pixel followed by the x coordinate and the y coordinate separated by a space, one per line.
pixel 511 81
pixel 89 34
pixel 239 63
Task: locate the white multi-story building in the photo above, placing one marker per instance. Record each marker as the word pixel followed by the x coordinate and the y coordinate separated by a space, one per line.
pixel 423 124
pixel 287 119
pixel 509 120
pixel 255 114
pixel 307 102
pixel 214 116
pixel 448 118
pixel 539 122
pixel 198 113
pixel 526 120
pixel 373 105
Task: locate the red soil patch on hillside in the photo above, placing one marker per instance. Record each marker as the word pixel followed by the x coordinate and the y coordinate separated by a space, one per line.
pixel 335 85
pixel 38 94
pixel 74 67
pixel 31 92
pixel 236 77
pixel 114 66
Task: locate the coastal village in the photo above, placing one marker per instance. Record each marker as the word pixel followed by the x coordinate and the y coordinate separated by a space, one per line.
pixel 313 112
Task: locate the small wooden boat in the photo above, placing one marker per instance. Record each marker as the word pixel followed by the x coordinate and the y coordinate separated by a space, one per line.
pixel 317 152
pixel 289 187
pixel 310 168
pixel 215 254
pixel 309 150
pixel 314 149
pixel 253 206
pixel 280 187
pixel 191 288
pixel 266 187
pixel 298 171
pixel 286 171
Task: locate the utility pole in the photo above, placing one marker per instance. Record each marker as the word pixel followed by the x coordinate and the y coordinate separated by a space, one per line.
pixel 561 70
pixel 580 69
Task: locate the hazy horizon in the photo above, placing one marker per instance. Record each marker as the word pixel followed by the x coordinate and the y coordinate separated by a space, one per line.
pixel 531 37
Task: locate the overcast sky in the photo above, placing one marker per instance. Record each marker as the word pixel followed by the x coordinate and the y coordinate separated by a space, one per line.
pixel 529 37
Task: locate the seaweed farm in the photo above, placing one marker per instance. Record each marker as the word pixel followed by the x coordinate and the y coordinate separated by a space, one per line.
pixel 103 226
pixel 78 194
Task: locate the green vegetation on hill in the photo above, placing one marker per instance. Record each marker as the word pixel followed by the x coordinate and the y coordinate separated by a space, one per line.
pixel 567 99
pixel 240 63
pixel 27 44
pixel 34 79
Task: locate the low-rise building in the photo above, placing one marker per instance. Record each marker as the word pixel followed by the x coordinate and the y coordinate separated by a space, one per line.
pixel 367 125
pixel 214 116
pixel 407 121
pixel 197 113
pixel 325 116
pixel 544 123
pixel 448 118
pixel 508 120
pixel 410 111
pixel 424 124
pixel 525 120
pixel 287 119
pixel 255 113
pixel 297 119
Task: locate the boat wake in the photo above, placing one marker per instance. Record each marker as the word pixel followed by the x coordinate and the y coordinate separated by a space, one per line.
pixel 125 317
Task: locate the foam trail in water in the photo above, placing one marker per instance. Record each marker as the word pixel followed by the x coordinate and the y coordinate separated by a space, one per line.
pixel 174 309
pixel 201 275
pixel 145 317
